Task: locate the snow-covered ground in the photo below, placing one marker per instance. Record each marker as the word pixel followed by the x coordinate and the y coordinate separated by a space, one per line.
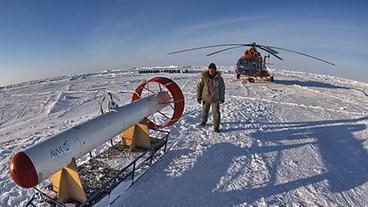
pixel 300 141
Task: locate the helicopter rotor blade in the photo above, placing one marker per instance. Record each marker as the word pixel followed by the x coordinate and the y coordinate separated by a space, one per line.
pixel 268 48
pixel 301 53
pixel 205 47
pixel 269 51
pixel 229 48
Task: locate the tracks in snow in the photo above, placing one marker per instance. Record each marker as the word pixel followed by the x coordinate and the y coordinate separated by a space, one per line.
pixel 50 103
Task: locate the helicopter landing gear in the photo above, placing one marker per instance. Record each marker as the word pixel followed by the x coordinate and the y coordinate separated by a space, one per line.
pixel 251 80
pixel 237 76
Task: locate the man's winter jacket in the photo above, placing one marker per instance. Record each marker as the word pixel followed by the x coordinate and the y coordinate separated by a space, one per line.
pixel 211 89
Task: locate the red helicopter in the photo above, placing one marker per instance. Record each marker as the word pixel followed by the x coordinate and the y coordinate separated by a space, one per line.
pixel 252 64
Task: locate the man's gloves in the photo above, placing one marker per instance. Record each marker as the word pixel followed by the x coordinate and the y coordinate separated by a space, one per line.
pixel 222 101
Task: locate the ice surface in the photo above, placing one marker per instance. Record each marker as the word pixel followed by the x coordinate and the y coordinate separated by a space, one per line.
pixel 301 140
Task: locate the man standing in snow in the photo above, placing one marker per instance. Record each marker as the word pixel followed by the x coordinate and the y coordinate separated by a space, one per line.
pixel 211 91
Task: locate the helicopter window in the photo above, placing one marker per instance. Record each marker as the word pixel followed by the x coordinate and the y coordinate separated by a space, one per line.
pixel 246 66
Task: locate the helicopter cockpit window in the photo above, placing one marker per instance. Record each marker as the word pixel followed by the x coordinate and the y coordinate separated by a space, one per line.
pixel 247 66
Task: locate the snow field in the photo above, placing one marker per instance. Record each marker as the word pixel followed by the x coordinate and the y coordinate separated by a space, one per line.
pixel 301 141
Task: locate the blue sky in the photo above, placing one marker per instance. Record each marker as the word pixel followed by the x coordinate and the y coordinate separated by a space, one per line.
pixel 47 38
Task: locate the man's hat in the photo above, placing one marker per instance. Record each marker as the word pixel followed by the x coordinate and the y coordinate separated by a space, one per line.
pixel 212 66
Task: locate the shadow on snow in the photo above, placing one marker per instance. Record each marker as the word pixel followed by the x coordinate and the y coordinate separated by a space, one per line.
pixel 317 84
pixel 344 158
